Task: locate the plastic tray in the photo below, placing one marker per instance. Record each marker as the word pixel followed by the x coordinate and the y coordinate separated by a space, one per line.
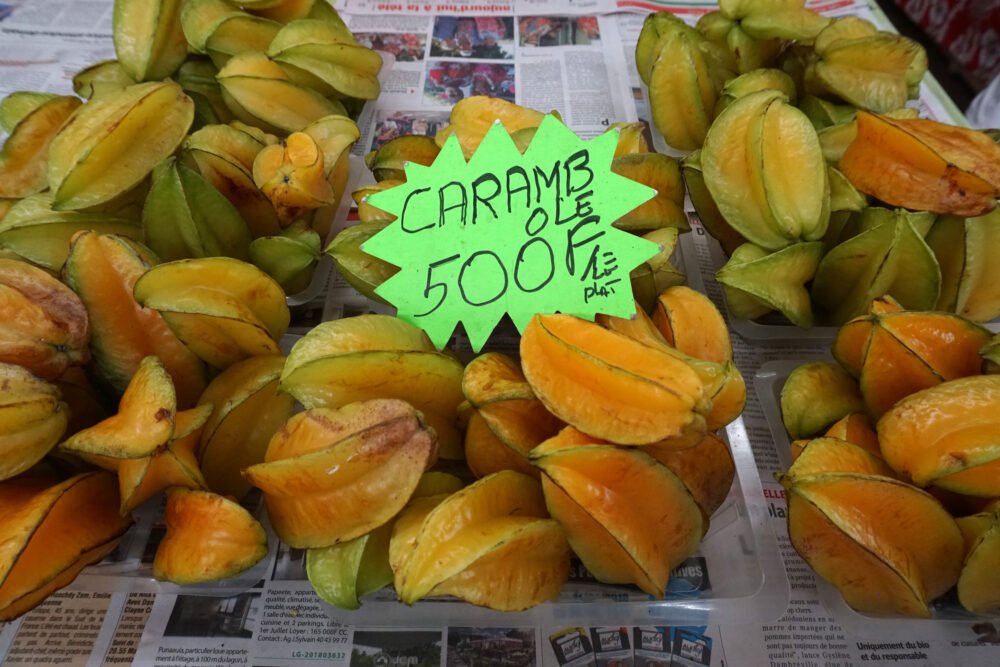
pixel 356 174
pixel 745 573
pixel 781 332
pixel 321 274
pixel 130 566
pixel 947 617
pixel 745 570
pixel 764 333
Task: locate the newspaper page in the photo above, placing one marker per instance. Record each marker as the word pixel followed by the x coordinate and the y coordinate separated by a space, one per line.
pixel 548 62
pixel 575 57
pixel 43 43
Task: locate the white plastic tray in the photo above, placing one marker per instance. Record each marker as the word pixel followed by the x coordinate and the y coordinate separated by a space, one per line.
pixel 130 567
pixel 774 330
pixel 764 333
pixel 947 615
pixel 740 554
pixel 356 174
pixel 746 573
pixel 321 273
pixel 740 550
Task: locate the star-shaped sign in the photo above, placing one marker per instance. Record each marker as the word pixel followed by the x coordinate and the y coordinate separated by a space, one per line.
pixel 511 233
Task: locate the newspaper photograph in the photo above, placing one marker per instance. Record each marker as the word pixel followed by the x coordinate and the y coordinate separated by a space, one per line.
pixel 550 62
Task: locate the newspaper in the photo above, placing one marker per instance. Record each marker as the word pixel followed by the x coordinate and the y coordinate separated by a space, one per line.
pixel 572 56
pixel 554 63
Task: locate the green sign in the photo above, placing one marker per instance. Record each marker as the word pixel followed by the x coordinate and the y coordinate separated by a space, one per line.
pixel 511 233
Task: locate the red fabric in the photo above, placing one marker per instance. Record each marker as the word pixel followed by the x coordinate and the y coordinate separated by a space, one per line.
pixel 967 30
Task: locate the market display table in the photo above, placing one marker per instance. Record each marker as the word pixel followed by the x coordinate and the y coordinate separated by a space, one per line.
pixel 745 599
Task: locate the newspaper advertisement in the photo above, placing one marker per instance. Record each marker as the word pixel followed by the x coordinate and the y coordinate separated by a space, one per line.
pixel 572 57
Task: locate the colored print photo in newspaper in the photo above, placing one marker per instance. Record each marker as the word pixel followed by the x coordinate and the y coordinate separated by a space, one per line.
pixel 487 37
pixel 491 647
pixel 383 648
pixel 558 31
pixel 572 647
pixel 611 646
pixel 691 648
pixel 204 616
pixel 392 124
pixel 448 82
pixel 407 47
pixel 651 646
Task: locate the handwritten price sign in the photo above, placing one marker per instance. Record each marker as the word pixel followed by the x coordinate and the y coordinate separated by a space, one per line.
pixel 511 233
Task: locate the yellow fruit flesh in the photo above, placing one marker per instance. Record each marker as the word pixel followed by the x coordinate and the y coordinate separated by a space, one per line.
pixel 903 527
pixel 104 269
pixel 26 446
pixel 174 465
pixel 857 429
pixel 826 454
pixel 241 439
pixel 696 326
pixel 731 146
pixel 977 589
pixel 472 118
pixel 793 173
pixel 603 554
pixel 494 377
pixel 526 566
pixel 867 583
pixel 46 326
pixel 429 380
pixel 891 372
pixel 247 284
pixel 281 104
pixel 707 469
pixel 888 162
pixel 406 529
pixel 457 531
pixel 485 453
pixel 221 341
